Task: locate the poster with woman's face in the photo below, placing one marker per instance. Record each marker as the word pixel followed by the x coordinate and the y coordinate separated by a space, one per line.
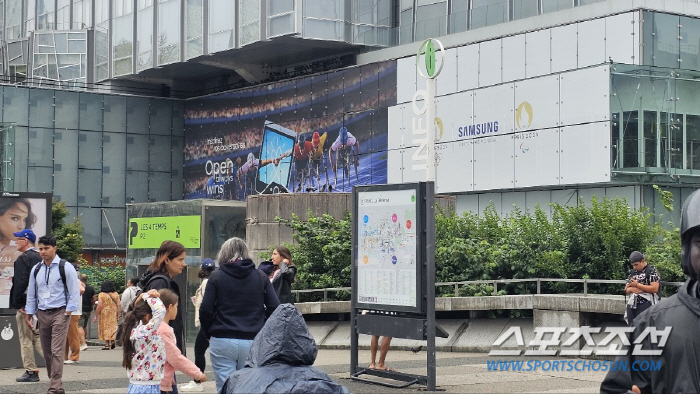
pixel 19 211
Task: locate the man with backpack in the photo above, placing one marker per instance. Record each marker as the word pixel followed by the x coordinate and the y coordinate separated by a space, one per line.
pixel 642 286
pixel 28 338
pixel 53 295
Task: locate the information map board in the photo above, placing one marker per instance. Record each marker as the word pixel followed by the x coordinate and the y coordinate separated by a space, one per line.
pixel 387 256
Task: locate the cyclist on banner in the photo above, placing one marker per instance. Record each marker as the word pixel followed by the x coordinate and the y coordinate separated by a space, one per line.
pixel 343 147
pixel 247 172
pixel 302 154
pixel 317 162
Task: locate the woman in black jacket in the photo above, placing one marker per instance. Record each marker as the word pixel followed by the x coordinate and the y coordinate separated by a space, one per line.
pixel 281 271
pixel 237 300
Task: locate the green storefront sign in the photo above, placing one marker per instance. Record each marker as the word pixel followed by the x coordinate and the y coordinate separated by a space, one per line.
pixel 149 233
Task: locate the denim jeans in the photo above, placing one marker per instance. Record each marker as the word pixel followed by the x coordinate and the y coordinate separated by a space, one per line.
pixel 227 355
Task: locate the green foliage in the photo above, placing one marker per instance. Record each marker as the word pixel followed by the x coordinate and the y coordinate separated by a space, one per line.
pixel 69 236
pixel 98 274
pixel 666 198
pixel 585 241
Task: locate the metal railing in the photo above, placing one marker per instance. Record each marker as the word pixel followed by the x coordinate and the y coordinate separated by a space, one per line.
pixel 495 283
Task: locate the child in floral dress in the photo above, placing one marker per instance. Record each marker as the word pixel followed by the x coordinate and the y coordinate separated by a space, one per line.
pixel 144 350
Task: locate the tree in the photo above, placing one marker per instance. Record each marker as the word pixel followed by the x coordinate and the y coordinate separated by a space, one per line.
pixel 69 236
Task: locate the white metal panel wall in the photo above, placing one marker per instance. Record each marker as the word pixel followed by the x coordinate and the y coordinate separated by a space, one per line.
pixel 537 158
pixel 620 38
pixel 394 166
pixel 446 82
pixel 463 114
pixel 406 79
pixel 537 53
pixel 591 42
pixel 564 50
pixel 446 110
pixel 585 153
pixel 495 104
pixel 493 162
pixel 468 67
pixel 584 95
pixel 490 62
pixel 537 103
pixel 513 50
pixel 466 203
pixel 454 167
pixel 409 175
pixel 510 201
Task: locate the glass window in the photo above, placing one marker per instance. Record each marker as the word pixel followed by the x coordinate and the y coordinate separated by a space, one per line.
pixel 90 150
pixel 40 147
pixel 629 140
pixel 194 30
pixel 159 186
pixel 159 153
pixel 137 115
pixel 40 179
pixel 88 194
pixel 92 224
pixel 114 170
pixel 102 46
pixel 29 16
pixel 161 117
pixel 144 35
pixel 459 16
pixel 14 20
pixel 221 23
pixel 46 10
pixel 137 186
pixel 168 31
pixel 122 37
pixel 406 26
pixel 21 153
pixel 587 2
pixel 326 9
pixel 66 166
pixel 661 43
pixel 137 152
pixel 651 140
pixel 525 8
pixel 690 43
pixel 488 12
pixel 67 104
pixel 324 29
pixel 115 114
pixel 282 24
pixel 41 108
pixel 177 165
pixel 82 14
pixel 63 15
pixel 692 131
pixel 249 18
pixel 90 112
pixel 556 5
pixel 431 20
pixel 16 105
pixel 113 225
pixel 671 133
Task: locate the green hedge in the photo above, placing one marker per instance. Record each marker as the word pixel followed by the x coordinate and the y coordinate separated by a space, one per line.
pixel 586 241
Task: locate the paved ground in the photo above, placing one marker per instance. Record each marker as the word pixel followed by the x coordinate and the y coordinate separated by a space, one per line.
pixel 101 372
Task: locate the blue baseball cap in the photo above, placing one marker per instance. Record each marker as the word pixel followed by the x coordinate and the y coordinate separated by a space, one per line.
pixel 208 264
pixel 26 233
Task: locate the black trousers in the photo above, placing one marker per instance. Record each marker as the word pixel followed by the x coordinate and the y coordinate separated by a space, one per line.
pixel 201 344
pixel 632 313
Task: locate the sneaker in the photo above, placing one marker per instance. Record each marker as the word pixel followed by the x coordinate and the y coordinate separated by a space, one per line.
pixel 29 376
pixel 71 362
pixel 83 347
pixel 192 386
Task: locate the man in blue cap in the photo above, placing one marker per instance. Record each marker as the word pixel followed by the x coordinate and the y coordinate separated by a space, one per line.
pixel 28 338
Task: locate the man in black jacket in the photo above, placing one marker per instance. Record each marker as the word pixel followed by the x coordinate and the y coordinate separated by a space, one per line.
pixel 679 371
pixel 28 338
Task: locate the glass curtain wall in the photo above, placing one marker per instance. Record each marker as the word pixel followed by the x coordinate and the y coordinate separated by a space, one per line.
pixel 46 11
pixel 431 19
pixel 194 28
pixel 144 34
pixel 63 15
pixel 13 20
pixel 102 40
pixel 122 37
pixel 281 17
pixel 372 22
pixel 29 16
pixel 168 31
pixel 222 16
pixel 324 19
pixel 249 19
pixel 82 14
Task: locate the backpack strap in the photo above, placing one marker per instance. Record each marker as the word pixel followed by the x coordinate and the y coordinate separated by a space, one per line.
pixel 61 271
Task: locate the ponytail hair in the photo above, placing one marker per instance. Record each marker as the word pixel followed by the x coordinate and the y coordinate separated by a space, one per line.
pixel 168 297
pixel 140 311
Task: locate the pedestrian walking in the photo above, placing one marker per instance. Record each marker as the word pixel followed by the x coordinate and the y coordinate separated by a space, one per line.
pixel 88 304
pixel 28 337
pixel 174 360
pixel 72 355
pixel 237 300
pixel 127 299
pixel 144 350
pixel 107 313
pixel 53 294
pixel 201 343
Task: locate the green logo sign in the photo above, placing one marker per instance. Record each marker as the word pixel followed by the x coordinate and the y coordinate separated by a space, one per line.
pixel 149 233
pixel 428 50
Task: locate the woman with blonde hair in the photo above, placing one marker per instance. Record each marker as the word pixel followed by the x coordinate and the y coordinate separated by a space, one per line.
pixel 237 300
pixel 281 271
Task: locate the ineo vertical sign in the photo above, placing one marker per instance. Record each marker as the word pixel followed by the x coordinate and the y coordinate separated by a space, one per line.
pixel 422 126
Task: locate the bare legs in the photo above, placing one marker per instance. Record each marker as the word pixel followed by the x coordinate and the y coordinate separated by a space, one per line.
pixel 386 342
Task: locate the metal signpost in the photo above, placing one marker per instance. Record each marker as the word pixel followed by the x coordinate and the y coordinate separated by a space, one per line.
pixel 393 254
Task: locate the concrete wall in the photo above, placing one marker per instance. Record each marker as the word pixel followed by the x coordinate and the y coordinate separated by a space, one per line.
pixel 263 232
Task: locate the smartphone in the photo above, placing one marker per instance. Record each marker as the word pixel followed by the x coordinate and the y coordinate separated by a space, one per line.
pixel 278 141
pixel 35 322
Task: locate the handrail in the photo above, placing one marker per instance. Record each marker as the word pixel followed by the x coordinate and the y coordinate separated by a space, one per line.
pixel 495 283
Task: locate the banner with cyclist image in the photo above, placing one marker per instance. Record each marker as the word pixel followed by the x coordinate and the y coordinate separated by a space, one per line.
pixel 321 133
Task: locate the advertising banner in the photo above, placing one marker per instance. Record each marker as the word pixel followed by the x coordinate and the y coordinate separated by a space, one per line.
pixel 149 233
pixel 321 133
pixel 19 211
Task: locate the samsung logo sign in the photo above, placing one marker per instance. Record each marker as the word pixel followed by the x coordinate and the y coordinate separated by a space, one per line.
pixel 478 129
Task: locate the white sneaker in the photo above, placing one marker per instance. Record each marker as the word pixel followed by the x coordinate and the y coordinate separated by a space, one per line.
pixel 83 347
pixel 71 362
pixel 192 386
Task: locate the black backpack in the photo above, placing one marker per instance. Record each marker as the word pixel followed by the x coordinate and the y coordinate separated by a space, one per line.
pixel 142 286
pixel 61 270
